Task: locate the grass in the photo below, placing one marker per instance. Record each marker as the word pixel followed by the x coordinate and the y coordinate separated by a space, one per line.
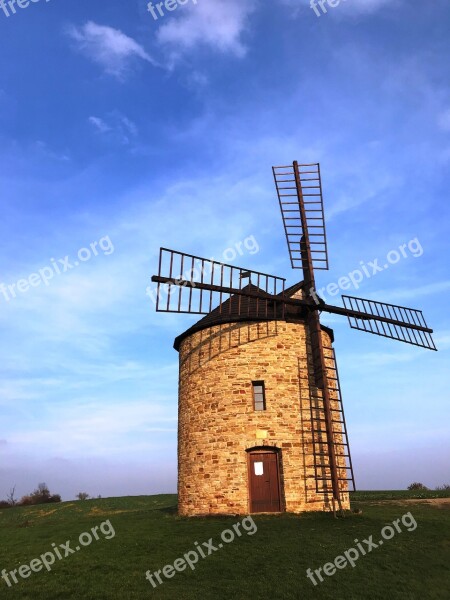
pixel 271 563
pixel 399 495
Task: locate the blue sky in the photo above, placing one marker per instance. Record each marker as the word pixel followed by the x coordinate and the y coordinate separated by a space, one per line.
pixel 135 133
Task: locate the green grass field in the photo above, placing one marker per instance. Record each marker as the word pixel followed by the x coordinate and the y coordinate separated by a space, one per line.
pixel 271 563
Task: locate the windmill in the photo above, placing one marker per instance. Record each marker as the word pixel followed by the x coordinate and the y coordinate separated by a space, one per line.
pixel 196 285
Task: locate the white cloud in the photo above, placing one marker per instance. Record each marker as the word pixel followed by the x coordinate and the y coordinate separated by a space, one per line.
pixel 444 120
pixel 359 6
pixel 347 7
pixel 115 126
pixel 108 47
pixel 75 429
pixel 413 292
pixel 215 23
pixel 128 124
pixel 101 126
pixel 42 149
pixel 369 6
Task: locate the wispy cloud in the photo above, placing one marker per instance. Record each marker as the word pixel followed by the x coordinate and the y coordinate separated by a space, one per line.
pixel 115 126
pixel 45 151
pixel 110 48
pixel 216 24
pixel 350 7
pixel 76 428
pixel 371 6
pixel 444 120
pixel 413 292
pixel 99 124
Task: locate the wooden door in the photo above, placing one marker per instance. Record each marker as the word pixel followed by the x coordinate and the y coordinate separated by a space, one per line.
pixel 264 482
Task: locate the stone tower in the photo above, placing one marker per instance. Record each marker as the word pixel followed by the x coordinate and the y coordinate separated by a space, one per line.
pixel 245 421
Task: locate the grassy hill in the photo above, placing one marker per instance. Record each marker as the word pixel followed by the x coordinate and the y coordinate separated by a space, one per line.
pixel 145 534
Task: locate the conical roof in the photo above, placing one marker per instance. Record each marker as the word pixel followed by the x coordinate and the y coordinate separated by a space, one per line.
pixel 239 308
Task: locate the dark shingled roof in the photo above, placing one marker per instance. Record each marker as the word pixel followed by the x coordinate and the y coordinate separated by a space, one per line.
pixel 242 308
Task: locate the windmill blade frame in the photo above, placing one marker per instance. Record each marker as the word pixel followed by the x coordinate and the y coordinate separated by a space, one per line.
pixel 302 211
pixel 392 321
pixel 196 285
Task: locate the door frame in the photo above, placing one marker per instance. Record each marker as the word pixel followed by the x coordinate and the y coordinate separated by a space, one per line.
pixel 263 450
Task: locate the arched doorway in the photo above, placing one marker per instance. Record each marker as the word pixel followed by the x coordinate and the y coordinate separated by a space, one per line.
pixel 264 480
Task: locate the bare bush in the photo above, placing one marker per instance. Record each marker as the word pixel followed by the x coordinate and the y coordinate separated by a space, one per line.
pixel 82 496
pixel 417 486
pixel 11 497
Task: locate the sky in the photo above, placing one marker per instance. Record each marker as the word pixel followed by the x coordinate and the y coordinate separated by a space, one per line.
pixel 121 133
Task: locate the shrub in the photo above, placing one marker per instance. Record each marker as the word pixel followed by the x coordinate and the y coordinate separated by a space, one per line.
pixel 82 496
pixel 54 498
pixel 41 495
pixel 417 486
pixel 26 501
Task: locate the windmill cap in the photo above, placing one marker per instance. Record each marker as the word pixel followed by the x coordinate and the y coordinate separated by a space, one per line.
pixel 239 309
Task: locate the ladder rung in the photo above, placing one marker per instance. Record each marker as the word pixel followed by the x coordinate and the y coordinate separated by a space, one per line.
pixel 328 443
pixel 329 478
pixel 326 454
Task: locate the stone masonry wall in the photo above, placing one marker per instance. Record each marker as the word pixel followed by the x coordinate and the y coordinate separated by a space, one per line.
pixel 217 421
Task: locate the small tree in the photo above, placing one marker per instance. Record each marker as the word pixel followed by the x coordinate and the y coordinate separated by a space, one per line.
pixel 417 486
pixel 11 497
pixel 82 496
pixel 41 493
pixel 443 488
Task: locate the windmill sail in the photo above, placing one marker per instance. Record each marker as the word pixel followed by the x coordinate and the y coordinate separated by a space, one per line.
pixel 195 285
pixel 389 320
pixel 299 189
